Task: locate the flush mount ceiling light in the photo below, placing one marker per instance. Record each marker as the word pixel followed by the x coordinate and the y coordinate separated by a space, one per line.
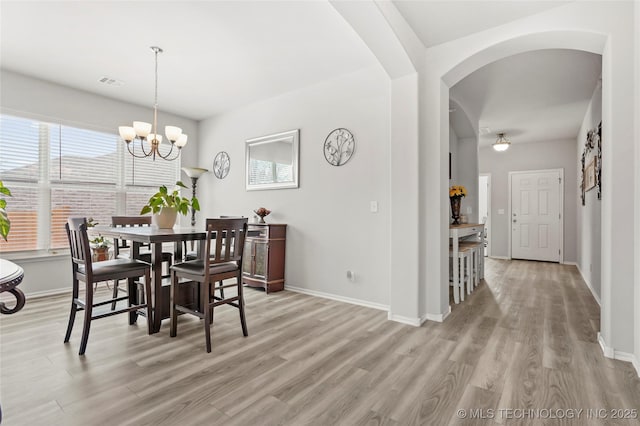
pixel 146 133
pixel 502 143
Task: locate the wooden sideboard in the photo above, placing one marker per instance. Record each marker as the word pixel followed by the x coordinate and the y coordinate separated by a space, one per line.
pixel 264 254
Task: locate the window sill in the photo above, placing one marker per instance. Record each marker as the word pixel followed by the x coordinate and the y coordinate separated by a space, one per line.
pixel 35 255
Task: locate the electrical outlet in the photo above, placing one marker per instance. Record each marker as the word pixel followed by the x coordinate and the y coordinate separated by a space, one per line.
pixel 373 206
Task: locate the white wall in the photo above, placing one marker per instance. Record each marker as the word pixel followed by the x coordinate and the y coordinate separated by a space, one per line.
pixel 530 156
pixel 637 183
pixel 589 216
pixel 37 99
pixel 330 228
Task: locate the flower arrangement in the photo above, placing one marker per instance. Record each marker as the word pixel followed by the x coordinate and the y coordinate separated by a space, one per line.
pixel 457 191
pixel 262 212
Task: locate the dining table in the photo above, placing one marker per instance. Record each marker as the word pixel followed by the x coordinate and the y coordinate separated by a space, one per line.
pixel 458 232
pixel 156 237
pixel 11 276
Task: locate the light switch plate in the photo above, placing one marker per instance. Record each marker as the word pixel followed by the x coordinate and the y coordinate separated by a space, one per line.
pixel 500 211
pixel 373 206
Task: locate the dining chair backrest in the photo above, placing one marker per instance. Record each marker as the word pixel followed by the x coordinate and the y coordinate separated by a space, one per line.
pixel 79 243
pixel 225 240
pixel 124 221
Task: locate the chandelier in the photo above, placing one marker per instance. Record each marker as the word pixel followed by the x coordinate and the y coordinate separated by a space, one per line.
pixel 502 143
pixel 147 134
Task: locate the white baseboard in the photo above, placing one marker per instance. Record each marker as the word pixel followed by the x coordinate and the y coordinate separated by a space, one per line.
pixel 570 263
pixel 593 293
pixel 436 317
pixel 500 257
pixel 338 298
pixel 404 320
pixel 610 352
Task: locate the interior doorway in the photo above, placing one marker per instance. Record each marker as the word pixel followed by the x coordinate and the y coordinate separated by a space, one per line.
pixel 484 207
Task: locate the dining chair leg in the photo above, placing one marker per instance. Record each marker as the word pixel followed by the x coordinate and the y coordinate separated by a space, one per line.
pixel 115 294
pixel 243 319
pixel 221 290
pixel 131 287
pixel 207 315
pixel 88 313
pixel 173 315
pixel 463 268
pixel 72 313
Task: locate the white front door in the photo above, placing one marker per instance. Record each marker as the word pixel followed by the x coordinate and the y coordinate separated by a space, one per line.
pixel 536 221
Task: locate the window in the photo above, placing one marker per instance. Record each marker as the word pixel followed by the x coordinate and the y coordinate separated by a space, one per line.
pixel 56 171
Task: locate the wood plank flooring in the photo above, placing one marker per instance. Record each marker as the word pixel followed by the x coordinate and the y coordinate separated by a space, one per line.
pixel 525 339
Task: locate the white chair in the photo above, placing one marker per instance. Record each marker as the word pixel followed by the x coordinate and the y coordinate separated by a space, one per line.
pixel 464 263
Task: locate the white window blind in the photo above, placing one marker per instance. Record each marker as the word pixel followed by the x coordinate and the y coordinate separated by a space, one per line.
pixel 55 172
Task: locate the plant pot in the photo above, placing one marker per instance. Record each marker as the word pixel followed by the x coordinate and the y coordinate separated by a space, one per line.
pixel 166 219
pixel 100 254
pixel 455 209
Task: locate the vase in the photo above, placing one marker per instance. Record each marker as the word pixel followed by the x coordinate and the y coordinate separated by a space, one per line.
pixel 262 220
pixel 455 209
pixel 100 254
pixel 166 219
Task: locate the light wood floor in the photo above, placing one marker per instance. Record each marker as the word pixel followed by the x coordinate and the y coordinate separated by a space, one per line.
pixel 524 339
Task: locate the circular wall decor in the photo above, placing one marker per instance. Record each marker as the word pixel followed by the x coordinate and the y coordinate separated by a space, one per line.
pixel 339 147
pixel 221 165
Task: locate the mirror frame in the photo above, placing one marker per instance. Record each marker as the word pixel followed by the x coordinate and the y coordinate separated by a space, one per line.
pixel 291 135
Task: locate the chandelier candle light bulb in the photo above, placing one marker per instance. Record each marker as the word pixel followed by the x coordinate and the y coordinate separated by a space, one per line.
pixel 147 132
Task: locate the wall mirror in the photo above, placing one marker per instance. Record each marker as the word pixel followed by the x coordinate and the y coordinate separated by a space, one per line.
pixel 272 161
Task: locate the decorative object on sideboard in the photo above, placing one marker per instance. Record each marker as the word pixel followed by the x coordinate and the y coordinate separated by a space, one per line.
pixel 194 173
pixel 456 193
pixel 262 212
pixel 221 165
pixel 502 143
pixel 148 132
pixel 166 205
pixel 339 147
pixel 100 248
pixel 592 171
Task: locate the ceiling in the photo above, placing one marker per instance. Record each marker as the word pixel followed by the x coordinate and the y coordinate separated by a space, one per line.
pixel 218 55
pixel 436 22
pixel 535 96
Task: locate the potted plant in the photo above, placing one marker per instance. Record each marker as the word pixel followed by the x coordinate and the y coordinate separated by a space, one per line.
pixel 166 205
pixel 5 223
pixel 100 248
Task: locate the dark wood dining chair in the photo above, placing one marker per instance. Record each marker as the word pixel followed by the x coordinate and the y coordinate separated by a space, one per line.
pixel 122 248
pixel 86 271
pixel 222 260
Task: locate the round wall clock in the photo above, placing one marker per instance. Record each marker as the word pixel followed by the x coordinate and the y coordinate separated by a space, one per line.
pixel 221 165
pixel 339 147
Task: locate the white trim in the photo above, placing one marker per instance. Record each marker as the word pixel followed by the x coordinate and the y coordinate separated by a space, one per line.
pixel 560 208
pixel 610 352
pixel 593 292
pixel 606 350
pixel 500 257
pixel 344 299
pixel 570 263
pixel 436 317
pixel 415 322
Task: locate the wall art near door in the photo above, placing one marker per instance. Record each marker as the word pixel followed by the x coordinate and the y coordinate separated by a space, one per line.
pixel 221 165
pixel 592 171
pixel 339 147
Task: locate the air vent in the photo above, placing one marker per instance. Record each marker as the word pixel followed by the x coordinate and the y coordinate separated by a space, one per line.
pixel 110 81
